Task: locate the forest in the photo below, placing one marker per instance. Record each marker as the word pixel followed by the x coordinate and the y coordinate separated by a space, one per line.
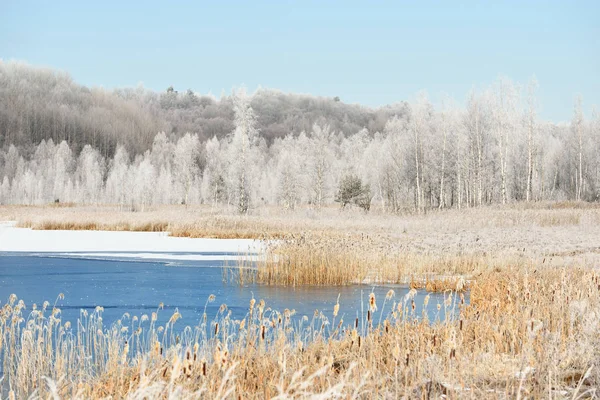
pixel 61 142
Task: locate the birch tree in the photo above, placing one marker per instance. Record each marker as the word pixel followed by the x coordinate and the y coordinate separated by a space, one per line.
pixel 504 113
pixel 320 163
pixel 531 127
pixel 577 127
pixel 185 165
pixel 243 150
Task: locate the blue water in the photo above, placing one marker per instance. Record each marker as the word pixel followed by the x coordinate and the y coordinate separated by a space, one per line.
pixel 138 286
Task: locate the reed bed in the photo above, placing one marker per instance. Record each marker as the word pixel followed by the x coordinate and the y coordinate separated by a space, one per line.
pixel 328 260
pixel 531 328
pixel 526 333
pixel 536 229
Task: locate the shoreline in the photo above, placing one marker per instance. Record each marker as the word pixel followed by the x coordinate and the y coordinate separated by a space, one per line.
pixel 125 243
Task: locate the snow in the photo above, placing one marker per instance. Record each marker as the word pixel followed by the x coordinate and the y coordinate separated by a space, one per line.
pixel 155 245
pixel 163 256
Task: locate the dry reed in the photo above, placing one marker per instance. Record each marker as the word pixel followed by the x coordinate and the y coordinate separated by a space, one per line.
pixel 526 333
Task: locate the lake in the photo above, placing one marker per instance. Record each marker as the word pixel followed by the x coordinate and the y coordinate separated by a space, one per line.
pixel 137 286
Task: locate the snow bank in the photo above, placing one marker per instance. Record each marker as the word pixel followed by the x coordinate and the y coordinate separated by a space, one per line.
pixel 14 239
pixel 196 256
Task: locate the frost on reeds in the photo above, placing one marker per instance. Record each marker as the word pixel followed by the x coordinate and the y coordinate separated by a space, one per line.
pixel 343 259
pixel 527 332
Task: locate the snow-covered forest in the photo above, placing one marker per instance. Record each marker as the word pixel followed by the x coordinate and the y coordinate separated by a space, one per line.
pixel 63 142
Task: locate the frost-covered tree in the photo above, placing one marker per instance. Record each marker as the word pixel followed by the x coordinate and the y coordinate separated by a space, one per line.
pixel 63 166
pixel 320 163
pixel 185 165
pixel 5 197
pixel 60 141
pixel 214 189
pixel 89 175
pixel 243 154
pixel 144 181
pixel 288 164
pixel 118 181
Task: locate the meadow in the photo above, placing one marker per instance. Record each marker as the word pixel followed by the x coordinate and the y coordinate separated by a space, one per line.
pixel 530 328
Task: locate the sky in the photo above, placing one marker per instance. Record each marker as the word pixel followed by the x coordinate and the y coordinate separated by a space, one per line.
pixel 372 53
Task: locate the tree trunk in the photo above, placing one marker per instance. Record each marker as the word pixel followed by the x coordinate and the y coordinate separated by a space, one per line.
pixel 441 200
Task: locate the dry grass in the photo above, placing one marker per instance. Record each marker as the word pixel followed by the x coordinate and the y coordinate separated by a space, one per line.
pixel 531 329
pixel 318 259
pixel 331 247
pixel 527 333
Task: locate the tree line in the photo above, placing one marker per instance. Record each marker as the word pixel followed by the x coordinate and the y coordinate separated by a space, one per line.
pixel 270 148
pixel 41 104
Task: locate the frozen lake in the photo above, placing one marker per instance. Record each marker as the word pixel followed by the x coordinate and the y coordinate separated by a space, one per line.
pixel 133 272
pixel 137 286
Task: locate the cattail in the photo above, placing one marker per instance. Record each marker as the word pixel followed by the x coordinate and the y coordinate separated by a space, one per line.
pixel 217 352
pixel 372 302
pixel 176 315
pixel 356 323
pixel 262 332
pixel 460 284
pixel 125 352
pixel 448 301
pixel 396 352
pixel 336 309
pixel 224 359
pixel 216 329
pixel 203 367
pixel 461 325
pixel 390 294
pixel 242 324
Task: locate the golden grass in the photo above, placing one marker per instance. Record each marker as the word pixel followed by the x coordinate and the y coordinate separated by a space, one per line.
pixel 318 259
pixel 333 247
pixel 528 332
pixel 199 221
pixel 531 328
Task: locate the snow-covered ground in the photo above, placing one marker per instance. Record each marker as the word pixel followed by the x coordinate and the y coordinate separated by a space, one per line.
pixel 154 245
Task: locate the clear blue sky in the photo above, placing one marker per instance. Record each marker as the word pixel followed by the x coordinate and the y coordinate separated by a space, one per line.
pixel 371 53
